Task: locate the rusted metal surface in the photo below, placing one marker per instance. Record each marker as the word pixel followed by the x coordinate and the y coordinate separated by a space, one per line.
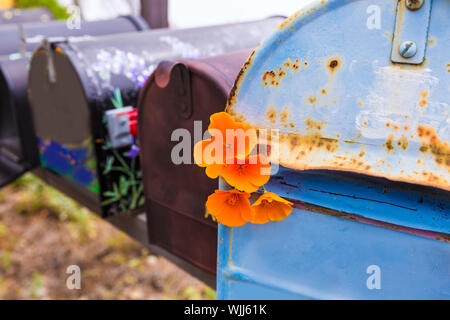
pixel 341 104
pixel 177 94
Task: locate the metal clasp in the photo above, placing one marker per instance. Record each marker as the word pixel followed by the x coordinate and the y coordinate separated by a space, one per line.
pixel 411 31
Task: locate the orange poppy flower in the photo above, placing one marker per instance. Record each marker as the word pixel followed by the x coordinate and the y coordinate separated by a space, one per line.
pixel 249 176
pixel 229 140
pixel 229 207
pixel 269 207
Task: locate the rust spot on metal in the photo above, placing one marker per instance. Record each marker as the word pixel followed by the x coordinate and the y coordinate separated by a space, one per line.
pixel 423 101
pixel 312 100
pixel 314 125
pixel 234 90
pixel 274 77
pixel 271 114
pixel 323 91
pixel 389 144
pixel 270 78
pixel 433 145
pixel 334 64
pixel 448 67
pixel 309 142
pixel 288 21
pixel 284 115
pixel 403 143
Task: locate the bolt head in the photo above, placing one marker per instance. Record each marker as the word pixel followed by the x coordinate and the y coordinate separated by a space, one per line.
pixel 408 49
pixel 414 4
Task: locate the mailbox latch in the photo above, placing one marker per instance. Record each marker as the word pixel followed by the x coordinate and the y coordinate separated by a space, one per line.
pixel 122 126
pixel 411 31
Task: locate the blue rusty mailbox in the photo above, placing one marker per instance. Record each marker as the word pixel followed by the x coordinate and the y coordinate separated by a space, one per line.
pixel 359 93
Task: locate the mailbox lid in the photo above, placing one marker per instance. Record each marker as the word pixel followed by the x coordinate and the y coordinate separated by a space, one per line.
pixel 329 85
pixel 177 94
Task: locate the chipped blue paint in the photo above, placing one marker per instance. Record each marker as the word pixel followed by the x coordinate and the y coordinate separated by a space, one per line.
pixel 347 217
pixel 370 109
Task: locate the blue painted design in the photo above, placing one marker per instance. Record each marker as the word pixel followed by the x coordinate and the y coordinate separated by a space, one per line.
pixel 79 155
pixel 83 175
pixel 57 158
pixel 75 163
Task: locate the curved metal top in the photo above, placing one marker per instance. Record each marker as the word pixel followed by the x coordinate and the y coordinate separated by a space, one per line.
pixel 325 79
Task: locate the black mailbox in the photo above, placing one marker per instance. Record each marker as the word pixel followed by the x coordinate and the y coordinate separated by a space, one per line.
pixel 18 149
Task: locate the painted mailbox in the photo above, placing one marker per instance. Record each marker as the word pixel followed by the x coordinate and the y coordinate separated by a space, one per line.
pixel 357 95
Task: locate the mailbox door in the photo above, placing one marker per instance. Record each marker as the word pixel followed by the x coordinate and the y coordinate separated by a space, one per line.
pixel 177 95
pixel 18 145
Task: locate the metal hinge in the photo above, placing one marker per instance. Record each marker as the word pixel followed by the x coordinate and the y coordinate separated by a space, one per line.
pixel 411 31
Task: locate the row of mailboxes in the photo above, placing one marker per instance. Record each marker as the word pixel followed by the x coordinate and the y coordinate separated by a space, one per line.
pixel 83 95
pixel 363 144
pixel 74 111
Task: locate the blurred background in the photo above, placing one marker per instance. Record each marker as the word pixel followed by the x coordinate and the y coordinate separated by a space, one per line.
pixel 42 232
pixel 180 13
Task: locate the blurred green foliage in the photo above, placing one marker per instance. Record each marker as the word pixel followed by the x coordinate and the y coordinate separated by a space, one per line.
pixel 58 11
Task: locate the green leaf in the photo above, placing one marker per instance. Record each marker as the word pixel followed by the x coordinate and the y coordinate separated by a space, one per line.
pixel 141 201
pixel 108 165
pixel 109 201
pixel 116 190
pixel 123 185
pixel 109 194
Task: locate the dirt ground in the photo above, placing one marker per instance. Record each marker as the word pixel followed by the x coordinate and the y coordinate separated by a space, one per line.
pixel 42 233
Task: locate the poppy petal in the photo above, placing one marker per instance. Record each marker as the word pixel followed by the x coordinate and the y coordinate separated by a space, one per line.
pixel 213 171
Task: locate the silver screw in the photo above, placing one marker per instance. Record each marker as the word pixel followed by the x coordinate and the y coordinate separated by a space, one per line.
pixel 408 49
pixel 414 4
